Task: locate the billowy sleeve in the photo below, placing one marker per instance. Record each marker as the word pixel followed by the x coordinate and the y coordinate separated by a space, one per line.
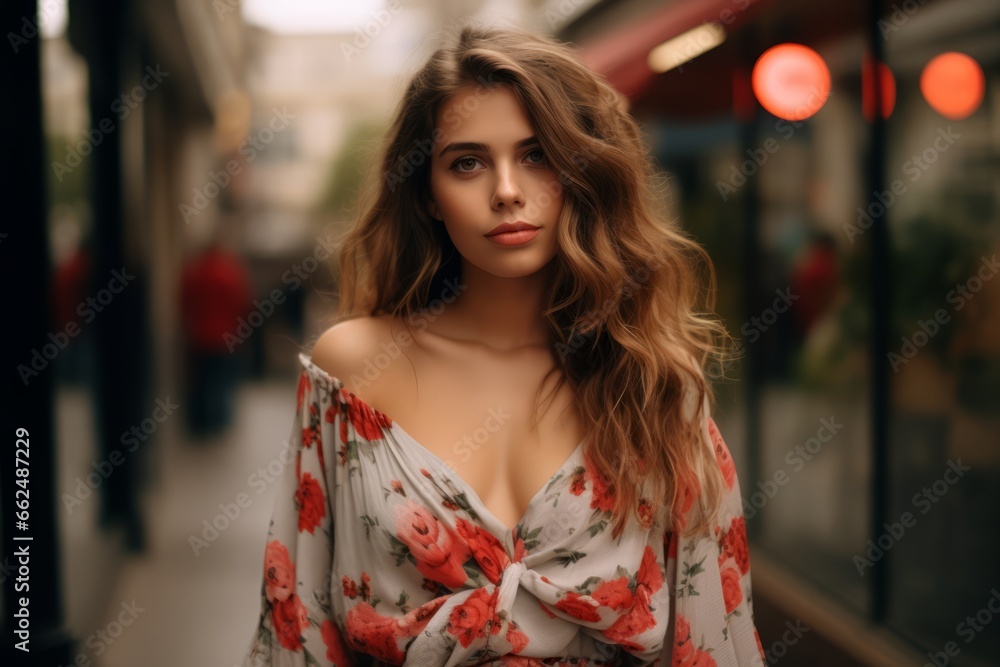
pixel 296 627
pixel 712 619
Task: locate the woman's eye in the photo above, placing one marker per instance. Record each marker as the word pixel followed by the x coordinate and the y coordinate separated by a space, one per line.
pixel 467 161
pixel 539 153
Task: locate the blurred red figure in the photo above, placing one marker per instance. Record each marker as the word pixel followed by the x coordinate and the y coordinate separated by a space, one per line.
pixel 70 288
pixel 814 278
pixel 215 293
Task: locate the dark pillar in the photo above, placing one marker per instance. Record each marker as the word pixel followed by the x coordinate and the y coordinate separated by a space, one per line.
pixel 98 31
pixel 29 567
pixel 881 272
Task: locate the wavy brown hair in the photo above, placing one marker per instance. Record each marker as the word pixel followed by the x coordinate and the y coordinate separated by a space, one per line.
pixel 630 307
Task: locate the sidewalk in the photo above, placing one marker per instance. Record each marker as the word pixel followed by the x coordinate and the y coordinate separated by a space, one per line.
pixel 201 609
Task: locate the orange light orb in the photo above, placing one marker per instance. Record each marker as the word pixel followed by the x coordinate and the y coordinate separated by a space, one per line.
pixel 953 84
pixel 791 81
pixel 887 83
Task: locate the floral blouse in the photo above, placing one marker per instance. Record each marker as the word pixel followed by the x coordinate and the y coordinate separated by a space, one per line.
pixel 379 554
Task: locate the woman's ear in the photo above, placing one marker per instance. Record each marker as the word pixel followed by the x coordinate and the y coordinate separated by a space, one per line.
pixel 433 210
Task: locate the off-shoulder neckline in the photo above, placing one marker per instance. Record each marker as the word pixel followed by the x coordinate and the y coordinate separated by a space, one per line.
pixel 337 384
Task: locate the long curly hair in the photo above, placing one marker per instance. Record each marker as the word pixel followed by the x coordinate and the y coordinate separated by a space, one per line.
pixel 631 305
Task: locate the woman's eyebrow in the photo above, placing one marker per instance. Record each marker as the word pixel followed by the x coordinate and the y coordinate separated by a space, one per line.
pixel 475 146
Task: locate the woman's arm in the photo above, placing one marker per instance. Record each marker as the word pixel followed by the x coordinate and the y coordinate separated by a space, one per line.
pixel 296 627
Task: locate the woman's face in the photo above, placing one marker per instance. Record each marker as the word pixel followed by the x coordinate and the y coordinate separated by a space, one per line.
pixel 488 168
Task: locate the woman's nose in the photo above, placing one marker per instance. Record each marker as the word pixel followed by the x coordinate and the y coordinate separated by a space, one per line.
pixel 508 191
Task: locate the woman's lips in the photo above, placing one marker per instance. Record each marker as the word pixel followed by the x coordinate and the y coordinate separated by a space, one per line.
pixel 514 238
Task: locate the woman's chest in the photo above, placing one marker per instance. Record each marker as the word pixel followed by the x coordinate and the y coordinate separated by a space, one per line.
pixel 503 429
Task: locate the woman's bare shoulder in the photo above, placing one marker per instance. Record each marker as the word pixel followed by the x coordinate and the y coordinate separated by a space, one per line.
pixel 342 349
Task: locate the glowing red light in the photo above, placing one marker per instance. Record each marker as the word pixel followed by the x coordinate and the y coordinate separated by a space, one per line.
pixel 887 82
pixel 791 81
pixel 953 84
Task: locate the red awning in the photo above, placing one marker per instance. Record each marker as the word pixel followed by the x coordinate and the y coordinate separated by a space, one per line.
pixel 621 55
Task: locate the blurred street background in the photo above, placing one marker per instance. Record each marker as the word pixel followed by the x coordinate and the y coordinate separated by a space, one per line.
pixel 193 163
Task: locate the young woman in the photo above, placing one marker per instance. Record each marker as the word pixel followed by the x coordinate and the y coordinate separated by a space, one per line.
pixel 434 511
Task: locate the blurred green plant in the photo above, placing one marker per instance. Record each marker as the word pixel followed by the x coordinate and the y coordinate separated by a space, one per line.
pixel 72 186
pixel 349 168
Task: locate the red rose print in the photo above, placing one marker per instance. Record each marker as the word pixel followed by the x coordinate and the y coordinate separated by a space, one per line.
pixel 684 649
pixel 614 594
pixel 579 606
pixel 579 484
pixel 546 609
pixel 516 638
pixel 312 504
pixel 722 455
pixel 397 487
pixel 649 574
pixel 600 497
pixel 310 436
pixel 474 617
pixel 735 545
pixel 439 554
pixel 369 632
pixel 637 620
pixel 686 491
pixel 518 549
pixel 350 587
pixel 732 591
pixel 279 572
pixel 645 513
pixel 289 620
pixel 330 416
pixel 365 590
pixel 343 429
pixel 486 549
pixel 336 650
pixel 414 622
pixel 304 386
pixel 367 421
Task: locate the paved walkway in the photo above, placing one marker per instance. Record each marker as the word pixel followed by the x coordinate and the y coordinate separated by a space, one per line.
pixel 201 610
